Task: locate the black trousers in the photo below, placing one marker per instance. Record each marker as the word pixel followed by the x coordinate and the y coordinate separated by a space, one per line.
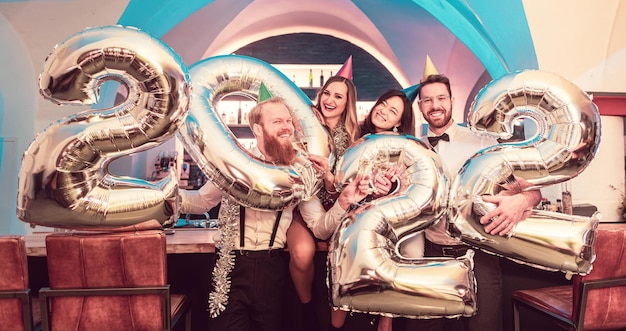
pixel 488 275
pixel 256 293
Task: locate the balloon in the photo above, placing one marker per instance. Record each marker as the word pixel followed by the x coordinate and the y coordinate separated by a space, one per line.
pixel 63 180
pixel 367 272
pixel 249 180
pixel 567 138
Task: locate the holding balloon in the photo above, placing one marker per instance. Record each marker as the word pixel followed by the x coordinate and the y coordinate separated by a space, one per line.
pixel 392 112
pixel 455 145
pixel 256 243
pixel 336 108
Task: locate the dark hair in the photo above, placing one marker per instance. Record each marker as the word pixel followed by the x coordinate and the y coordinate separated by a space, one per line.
pixel 434 79
pixel 407 120
pixel 349 116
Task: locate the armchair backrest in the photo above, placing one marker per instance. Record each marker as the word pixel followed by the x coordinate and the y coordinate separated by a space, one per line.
pixel 107 260
pixel 605 307
pixel 14 312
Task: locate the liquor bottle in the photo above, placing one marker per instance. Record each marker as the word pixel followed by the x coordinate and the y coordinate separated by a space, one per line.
pixel 232 117
pixel 321 78
pixel 310 77
pixel 239 114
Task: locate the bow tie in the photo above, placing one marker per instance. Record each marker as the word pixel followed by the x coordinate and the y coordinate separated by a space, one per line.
pixel 435 140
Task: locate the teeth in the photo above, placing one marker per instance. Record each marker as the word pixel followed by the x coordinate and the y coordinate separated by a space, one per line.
pixel 437 114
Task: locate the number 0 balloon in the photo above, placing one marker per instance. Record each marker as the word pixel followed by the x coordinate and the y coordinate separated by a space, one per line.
pixel 221 157
pixel 63 181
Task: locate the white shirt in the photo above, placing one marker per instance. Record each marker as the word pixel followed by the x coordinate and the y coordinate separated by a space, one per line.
pixel 259 223
pixel 462 146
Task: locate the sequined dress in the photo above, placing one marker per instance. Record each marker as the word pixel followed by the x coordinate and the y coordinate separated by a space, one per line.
pixel 341 140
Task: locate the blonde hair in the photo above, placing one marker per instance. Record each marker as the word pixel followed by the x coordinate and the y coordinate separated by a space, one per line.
pixel 254 116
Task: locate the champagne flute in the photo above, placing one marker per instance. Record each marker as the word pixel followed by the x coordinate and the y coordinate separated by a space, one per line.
pixel 299 143
pixel 366 168
pixel 380 165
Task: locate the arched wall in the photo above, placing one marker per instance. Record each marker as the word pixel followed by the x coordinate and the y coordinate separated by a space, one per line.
pixel 17 113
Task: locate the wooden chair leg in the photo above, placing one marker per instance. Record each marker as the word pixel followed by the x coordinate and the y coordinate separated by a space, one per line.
pixel 516 321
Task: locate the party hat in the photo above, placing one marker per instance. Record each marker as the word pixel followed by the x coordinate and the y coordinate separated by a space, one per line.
pixel 411 92
pixel 346 69
pixel 264 94
pixel 429 68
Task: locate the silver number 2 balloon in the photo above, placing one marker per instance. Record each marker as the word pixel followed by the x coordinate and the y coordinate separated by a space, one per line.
pixel 367 272
pixel 63 180
pixel 566 140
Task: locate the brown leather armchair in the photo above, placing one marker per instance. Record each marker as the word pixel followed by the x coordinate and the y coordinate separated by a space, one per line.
pixel 109 281
pixel 596 301
pixel 16 311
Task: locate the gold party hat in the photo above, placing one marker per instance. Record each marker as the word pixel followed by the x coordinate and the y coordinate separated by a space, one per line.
pixel 429 68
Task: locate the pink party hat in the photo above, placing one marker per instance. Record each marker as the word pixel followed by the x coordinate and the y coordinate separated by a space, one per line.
pixel 346 69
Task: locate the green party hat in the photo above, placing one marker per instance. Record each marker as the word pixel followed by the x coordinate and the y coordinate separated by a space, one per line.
pixel 264 94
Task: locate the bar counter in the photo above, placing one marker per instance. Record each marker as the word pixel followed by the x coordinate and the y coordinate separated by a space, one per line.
pixel 181 241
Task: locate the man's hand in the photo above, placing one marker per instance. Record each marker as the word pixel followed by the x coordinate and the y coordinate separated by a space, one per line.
pixel 510 210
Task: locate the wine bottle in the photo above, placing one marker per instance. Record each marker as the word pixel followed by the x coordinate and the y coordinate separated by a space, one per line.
pixel 321 78
pixel 310 77
pixel 239 114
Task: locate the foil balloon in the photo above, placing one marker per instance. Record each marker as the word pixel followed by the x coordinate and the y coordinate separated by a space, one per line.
pixel 249 180
pixel 566 140
pixel 63 180
pixel 367 272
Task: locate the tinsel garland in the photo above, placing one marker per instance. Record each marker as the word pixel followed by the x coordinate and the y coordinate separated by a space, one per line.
pixel 229 218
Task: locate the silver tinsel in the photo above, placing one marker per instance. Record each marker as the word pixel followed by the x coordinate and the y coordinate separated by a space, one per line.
pixel 229 218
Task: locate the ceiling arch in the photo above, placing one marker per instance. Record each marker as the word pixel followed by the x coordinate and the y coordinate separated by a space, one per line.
pixel 465 38
pixel 381 28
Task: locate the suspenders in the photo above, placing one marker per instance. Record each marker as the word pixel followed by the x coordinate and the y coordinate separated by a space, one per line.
pixel 242 220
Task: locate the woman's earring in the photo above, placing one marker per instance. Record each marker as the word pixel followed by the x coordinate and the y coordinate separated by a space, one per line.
pixel 395 129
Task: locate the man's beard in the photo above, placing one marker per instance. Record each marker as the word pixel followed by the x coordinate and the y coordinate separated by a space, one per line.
pixel 437 123
pixel 281 153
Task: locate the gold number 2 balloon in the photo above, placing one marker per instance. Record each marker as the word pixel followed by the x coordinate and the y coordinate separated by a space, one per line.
pixel 63 180
pixel 367 272
pixel 566 140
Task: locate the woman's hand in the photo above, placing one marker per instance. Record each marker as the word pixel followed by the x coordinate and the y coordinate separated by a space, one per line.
pixel 384 182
